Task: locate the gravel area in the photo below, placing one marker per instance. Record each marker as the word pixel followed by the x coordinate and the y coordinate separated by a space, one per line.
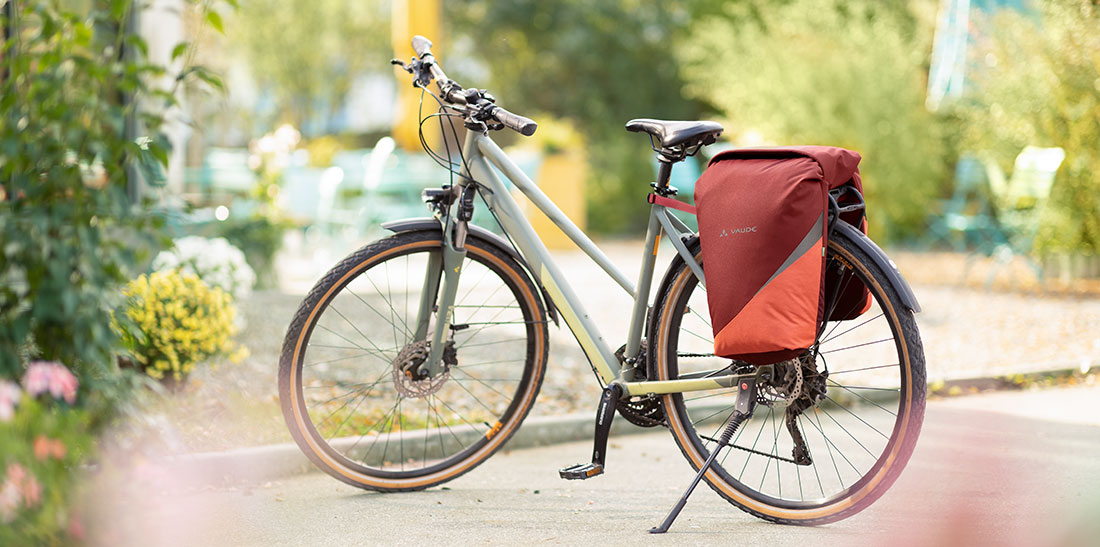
pixel 967 332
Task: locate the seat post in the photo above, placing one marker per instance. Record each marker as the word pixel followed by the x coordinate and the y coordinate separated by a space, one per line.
pixel 664 173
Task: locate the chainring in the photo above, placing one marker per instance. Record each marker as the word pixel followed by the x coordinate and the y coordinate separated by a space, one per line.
pixel 646 411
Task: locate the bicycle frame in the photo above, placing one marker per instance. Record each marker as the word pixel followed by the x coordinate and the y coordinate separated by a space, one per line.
pixel 480 152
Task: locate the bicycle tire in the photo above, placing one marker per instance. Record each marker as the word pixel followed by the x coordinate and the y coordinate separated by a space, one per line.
pixel 756 492
pixel 456 420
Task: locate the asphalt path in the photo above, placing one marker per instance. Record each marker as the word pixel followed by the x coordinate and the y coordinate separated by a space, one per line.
pixel 1007 468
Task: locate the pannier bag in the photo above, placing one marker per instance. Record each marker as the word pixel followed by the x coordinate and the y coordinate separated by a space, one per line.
pixel 763 228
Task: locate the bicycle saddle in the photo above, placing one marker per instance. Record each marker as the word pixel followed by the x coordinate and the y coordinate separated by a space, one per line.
pixel 675 133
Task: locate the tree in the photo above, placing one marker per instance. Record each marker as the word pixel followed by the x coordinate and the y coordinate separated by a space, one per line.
pixel 307 52
pixel 841 73
pixel 596 64
pixel 1037 82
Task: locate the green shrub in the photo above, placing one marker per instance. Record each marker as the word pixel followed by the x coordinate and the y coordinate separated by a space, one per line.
pixel 840 73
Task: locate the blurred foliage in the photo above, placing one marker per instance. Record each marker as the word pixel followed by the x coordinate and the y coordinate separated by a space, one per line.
pixel 595 64
pixel 70 232
pixel 307 52
pixel 322 150
pixel 839 73
pixel 1036 81
pixel 260 236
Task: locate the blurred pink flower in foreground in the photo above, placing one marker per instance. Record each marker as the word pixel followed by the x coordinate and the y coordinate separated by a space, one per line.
pixel 43 376
pixel 19 486
pixel 9 501
pixel 9 397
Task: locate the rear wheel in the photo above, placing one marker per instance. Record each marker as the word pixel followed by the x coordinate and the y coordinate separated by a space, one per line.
pixel 869 380
pixel 345 393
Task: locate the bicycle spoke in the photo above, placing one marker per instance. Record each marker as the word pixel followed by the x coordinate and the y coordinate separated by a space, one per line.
pixel 472 395
pixel 859 345
pixel 849 330
pixel 829 443
pixel 853 437
pixel 381 422
pixel 865 399
pixel 707 396
pixel 709 416
pixel 854 415
pixel 707 340
pixel 756 440
pixel 893 389
pixel 486 363
pixel 816 474
pixel 835 372
pixel 489 343
pixel 365 303
pixel 330 361
pixel 389 304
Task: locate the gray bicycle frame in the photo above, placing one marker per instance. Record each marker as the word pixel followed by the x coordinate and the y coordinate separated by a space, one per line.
pixel 480 151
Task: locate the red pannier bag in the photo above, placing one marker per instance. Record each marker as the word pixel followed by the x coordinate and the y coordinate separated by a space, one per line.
pixel 763 216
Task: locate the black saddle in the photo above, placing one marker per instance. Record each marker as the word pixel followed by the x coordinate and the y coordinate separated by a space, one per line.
pixel 676 134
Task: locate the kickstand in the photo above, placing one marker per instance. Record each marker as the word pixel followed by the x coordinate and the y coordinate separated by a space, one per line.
pixel 746 402
pixel 605 414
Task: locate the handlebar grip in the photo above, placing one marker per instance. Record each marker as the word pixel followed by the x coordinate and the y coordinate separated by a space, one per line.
pixel 421 45
pixel 525 126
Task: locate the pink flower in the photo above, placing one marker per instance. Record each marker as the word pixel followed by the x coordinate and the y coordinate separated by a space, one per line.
pixel 32 491
pixel 9 501
pixel 16 473
pixel 76 527
pixel 43 376
pixel 9 397
pixel 20 486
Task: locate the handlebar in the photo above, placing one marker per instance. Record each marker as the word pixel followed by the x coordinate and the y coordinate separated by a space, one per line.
pixel 525 126
pixel 421 45
pixel 453 93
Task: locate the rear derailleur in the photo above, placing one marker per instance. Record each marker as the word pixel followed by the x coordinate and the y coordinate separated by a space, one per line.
pixel 799 383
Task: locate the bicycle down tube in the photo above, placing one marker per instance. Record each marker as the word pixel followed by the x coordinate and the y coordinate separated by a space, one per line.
pixel 480 152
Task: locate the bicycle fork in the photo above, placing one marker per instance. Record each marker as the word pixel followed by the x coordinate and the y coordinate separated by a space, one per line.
pixel 448 266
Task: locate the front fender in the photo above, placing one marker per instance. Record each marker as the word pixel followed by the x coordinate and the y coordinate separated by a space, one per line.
pixel 431 224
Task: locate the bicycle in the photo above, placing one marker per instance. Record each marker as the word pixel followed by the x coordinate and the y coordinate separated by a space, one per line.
pixel 419 355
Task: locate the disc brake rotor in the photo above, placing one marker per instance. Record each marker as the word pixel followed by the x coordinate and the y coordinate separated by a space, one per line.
pixel 406 368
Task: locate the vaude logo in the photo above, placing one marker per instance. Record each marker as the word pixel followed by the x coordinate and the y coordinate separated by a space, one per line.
pixel 745 230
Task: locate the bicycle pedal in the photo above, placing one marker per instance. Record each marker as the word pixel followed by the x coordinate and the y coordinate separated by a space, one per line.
pixel 580 471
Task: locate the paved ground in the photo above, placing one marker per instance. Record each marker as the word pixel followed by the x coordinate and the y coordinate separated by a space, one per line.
pixel 1008 468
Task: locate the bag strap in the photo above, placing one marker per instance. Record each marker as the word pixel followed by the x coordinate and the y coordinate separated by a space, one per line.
pixel 673 203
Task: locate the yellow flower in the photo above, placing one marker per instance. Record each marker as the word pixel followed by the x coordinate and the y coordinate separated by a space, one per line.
pixel 184 322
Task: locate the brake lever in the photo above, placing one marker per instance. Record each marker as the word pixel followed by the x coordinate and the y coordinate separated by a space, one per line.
pixel 416 67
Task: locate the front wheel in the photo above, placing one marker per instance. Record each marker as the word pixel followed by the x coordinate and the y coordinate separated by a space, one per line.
pixel 867 379
pixel 347 393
